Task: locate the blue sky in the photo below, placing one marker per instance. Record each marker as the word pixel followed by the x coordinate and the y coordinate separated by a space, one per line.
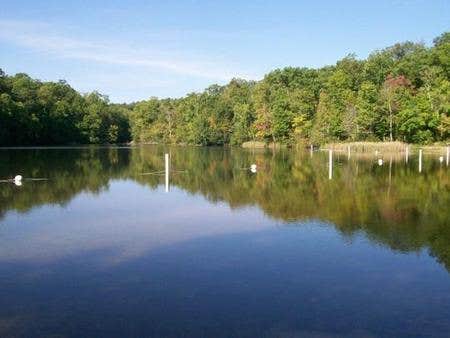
pixel 132 50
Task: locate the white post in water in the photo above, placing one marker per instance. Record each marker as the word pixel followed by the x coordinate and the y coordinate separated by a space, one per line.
pixel 330 164
pixel 311 149
pixel 348 152
pixel 420 160
pixel 448 155
pixel 166 157
pixel 406 154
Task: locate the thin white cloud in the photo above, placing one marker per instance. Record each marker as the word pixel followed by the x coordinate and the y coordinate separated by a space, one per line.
pixel 42 38
pixel 127 235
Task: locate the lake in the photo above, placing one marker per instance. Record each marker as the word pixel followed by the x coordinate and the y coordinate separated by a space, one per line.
pixel 103 248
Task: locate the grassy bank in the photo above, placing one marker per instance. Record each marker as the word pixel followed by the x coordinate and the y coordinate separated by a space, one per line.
pixel 260 144
pixel 383 147
pixel 360 147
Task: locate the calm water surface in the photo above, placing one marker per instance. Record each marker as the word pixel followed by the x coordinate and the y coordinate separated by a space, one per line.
pixel 100 249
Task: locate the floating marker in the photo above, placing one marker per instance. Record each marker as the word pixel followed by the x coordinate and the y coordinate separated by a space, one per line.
pixel 330 164
pixel 253 168
pixel 441 159
pixel 18 180
pixel 420 160
pixel 166 158
pixel 380 161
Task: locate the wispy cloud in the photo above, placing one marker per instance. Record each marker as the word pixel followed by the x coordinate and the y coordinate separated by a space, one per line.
pixel 43 38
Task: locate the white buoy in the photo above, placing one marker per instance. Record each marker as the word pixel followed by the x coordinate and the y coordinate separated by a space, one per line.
pixel 253 168
pixel 380 161
pixel 420 160
pixel 166 158
pixel 330 164
pixel 441 159
pixel 18 180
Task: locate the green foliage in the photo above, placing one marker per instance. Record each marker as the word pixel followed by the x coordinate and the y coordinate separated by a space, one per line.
pixel 242 122
pixel 302 127
pixel 398 93
pixel 52 113
pixel 367 116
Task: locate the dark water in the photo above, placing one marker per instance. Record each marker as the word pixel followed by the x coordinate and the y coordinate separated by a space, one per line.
pixel 100 250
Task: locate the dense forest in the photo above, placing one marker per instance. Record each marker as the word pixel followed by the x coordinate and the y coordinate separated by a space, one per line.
pixel 48 113
pixel 399 93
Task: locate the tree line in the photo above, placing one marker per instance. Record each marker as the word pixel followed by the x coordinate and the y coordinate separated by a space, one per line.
pixel 398 93
pixel 53 113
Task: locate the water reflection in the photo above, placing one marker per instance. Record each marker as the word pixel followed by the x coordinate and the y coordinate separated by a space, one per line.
pixel 392 204
pixel 100 249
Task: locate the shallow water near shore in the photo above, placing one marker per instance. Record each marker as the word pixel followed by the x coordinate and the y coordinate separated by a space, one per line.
pixel 103 248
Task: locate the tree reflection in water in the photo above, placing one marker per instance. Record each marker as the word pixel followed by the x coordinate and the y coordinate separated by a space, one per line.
pixel 392 204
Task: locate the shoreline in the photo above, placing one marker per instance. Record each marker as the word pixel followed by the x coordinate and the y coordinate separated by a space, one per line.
pixel 355 147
